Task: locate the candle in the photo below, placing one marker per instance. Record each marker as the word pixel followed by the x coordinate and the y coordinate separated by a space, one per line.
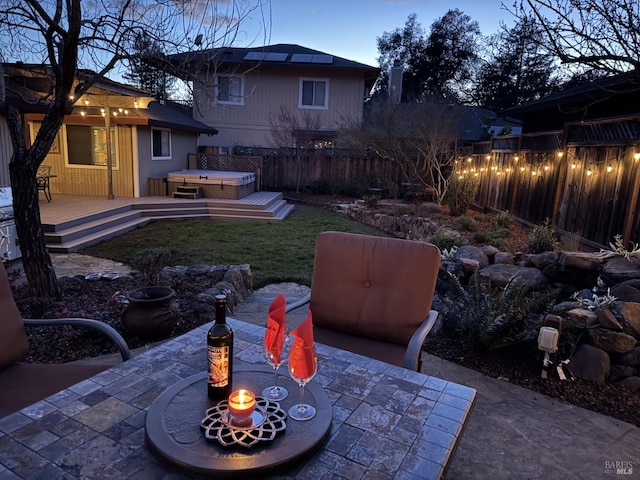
pixel 242 403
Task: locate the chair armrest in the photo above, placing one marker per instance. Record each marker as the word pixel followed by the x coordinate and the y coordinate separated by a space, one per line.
pixel 108 330
pixel 299 303
pixel 414 349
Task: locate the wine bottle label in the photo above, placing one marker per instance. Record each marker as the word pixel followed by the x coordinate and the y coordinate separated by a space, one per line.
pixel 218 366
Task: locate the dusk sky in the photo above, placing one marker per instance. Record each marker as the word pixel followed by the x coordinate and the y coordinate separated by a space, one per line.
pixel 349 28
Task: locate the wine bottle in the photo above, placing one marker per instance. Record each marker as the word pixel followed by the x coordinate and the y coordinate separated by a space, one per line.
pixel 220 353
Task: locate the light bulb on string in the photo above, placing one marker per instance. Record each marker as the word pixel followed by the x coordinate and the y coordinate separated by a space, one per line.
pixel 609 169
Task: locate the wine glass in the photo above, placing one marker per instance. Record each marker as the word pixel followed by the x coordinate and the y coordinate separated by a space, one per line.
pixel 303 411
pixel 275 392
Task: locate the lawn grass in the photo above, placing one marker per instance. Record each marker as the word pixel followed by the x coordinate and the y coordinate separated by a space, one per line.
pixel 276 251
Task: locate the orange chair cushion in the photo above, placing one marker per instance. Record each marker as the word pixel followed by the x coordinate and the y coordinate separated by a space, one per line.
pixel 13 339
pixel 375 287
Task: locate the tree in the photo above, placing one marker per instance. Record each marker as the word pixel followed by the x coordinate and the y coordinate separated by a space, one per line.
pixel 147 67
pixel 440 64
pixel 599 35
pixel 519 70
pixel 422 138
pixel 98 35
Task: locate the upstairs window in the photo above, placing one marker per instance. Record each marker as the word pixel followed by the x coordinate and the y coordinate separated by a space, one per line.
pixel 314 93
pixel 230 89
pixel 160 144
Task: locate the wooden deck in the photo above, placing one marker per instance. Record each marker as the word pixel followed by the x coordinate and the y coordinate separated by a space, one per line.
pixel 73 222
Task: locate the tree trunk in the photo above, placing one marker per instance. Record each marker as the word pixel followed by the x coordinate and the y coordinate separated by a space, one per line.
pixel 43 284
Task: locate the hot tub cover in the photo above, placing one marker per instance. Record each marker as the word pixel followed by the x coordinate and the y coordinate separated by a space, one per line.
pixel 215 177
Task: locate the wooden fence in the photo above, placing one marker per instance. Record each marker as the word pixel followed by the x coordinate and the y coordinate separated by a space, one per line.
pixel 584 179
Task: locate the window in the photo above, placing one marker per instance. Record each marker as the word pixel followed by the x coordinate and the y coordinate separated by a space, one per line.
pixel 160 144
pixel 314 93
pixel 87 145
pixel 230 89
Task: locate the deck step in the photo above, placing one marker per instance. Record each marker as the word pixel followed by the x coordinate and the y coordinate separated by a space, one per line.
pixel 72 235
pixel 188 192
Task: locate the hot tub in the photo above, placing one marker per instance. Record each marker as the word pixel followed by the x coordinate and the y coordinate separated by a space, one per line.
pixel 214 183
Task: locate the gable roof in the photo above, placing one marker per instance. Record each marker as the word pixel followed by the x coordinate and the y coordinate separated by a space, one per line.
pixel 28 88
pixel 281 55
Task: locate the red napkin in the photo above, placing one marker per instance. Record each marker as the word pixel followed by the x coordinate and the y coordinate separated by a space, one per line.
pixel 274 337
pixel 302 356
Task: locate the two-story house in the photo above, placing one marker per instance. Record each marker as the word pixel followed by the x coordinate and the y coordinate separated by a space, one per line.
pixel 253 95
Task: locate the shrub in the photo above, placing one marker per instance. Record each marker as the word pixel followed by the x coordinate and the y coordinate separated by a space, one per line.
pixel 150 262
pixel 406 210
pixel 355 187
pixel 371 200
pixel 462 191
pixel 446 240
pixel 487 318
pixel 503 219
pixel 467 223
pixel 542 238
pixel 321 186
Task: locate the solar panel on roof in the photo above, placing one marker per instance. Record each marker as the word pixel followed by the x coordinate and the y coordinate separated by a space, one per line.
pixel 266 56
pixel 311 58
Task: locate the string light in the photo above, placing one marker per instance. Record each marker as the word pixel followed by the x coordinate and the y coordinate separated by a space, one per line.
pixel 636 156
pixel 516 158
pixel 609 169
pixel 589 172
pixel 560 154
pixel 574 166
pixel 546 168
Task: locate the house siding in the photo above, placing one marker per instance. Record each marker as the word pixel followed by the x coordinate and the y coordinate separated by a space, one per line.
pixel 266 91
pixel 82 180
pixel 182 144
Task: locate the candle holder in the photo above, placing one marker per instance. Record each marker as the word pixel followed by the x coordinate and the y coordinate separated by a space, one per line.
pixel 242 404
pixel 265 421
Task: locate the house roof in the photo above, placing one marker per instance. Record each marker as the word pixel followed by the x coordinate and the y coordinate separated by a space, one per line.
pixel 581 95
pixel 281 55
pixel 28 89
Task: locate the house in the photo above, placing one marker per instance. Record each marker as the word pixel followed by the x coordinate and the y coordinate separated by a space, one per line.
pixel 248 94
pixel 146 139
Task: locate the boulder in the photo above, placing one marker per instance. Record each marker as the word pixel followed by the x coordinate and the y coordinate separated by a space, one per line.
pixel 489 250
pixel 473 253
pixel 618 372
pixel 630 313
pixel 590 363
pixel 607 319
pixel 610 341
pixel 581 260
pixel 628 291
pixel 503 258
pixel 630 383
pixel 630 359
pixel 543 260
pixel 582 317
pixel 618 269
pixel 500 275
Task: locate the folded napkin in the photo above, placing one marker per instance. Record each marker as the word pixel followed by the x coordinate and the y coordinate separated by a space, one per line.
pixel 302 358
pixel 274 336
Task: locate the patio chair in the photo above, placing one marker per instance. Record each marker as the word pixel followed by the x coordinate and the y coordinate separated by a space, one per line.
pixel 22 384
pixel 42 180
pixel 372 295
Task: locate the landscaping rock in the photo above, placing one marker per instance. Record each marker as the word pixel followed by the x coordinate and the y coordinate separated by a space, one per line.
pixel 582 317
pixel 630 383
pixel 631 359
pixel 489 250
pixel 618 372
pixel 503 258
pixel 543 260
pixel 473 253
pixel 628 291
pixel 500 275
pixel 610 341
pixel 590 363
pixel 607 319
pixel 630 313
pixel 618 269
pixel 581 260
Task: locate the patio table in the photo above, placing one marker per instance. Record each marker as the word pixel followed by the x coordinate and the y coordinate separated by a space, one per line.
pixel 387 422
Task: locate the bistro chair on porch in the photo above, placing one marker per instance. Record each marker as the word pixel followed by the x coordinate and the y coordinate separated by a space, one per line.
pixel 22 384
pixel 372 295
pixel 42 180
